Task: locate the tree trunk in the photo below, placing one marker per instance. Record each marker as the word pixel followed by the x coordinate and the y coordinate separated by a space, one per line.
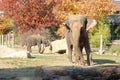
pixel 98 72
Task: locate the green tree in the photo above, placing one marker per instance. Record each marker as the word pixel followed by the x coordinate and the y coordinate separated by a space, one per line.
pixel 102 28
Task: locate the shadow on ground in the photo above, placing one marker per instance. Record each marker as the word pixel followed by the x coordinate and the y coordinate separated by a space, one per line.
pixel 12 74
pixel 103 61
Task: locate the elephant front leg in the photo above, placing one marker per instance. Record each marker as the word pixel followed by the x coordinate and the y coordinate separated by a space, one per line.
pixel 69 51
pixel 41 48
pixel 29 49
pixel 70 47
pixel 79 57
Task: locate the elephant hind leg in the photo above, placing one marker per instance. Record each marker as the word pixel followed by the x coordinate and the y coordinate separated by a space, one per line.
pixel 88 53
pixel 89 59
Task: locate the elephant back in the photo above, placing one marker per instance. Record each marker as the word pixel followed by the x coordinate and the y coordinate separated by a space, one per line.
pixel 34 39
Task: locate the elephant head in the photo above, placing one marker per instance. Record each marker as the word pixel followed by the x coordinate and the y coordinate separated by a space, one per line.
pixel 90 24
pixel 77 37
pixel 44 44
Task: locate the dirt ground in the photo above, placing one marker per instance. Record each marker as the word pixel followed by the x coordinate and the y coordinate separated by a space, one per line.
pixel 5 65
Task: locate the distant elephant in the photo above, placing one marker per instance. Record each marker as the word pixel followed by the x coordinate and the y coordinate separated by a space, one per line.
pixel 38 40
pixel 77 37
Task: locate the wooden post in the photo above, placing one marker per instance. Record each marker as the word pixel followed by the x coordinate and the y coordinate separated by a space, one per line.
pixel 2 40
pixel 12 34
pixel 101 45
pixel 8 42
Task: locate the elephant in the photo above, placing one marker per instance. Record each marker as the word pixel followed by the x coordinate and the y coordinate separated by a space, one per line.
pixel 38 40
pixel 76 35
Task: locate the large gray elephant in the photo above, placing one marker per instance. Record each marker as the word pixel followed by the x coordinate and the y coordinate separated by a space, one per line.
pixel 38 40
pixel 77 37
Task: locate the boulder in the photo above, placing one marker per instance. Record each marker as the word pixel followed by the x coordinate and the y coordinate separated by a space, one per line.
pixel 59 46
pixel 10 52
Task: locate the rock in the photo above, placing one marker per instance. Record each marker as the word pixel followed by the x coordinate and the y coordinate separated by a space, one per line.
pixel 59 46
pixel 10 52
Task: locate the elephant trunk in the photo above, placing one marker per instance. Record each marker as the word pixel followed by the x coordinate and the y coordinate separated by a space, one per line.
pixel 50 45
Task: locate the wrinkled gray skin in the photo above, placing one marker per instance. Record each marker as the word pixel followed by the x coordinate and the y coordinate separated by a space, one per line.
pixel 77 38
pixel 38 40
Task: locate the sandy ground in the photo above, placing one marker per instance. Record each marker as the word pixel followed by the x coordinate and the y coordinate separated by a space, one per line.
pixel 5 65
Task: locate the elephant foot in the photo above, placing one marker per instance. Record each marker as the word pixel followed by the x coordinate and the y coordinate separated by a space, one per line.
pixel 41 52
pixel 71 61
pixel 29 55
pixel 81 63
pixel 90 63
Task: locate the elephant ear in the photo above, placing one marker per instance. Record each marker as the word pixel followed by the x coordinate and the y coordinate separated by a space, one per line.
pixel 66 24
pixel 90 23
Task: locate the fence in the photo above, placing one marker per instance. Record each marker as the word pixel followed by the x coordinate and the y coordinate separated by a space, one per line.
pixel 7 39
pixel 115 37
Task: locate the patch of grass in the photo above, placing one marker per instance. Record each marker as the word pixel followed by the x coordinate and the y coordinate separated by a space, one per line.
pixel 114 50
pixel 44 59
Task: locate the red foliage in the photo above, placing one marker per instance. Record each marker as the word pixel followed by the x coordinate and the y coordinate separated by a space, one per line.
pixel 31 14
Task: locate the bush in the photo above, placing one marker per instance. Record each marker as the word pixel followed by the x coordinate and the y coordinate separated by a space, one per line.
pixel 102 28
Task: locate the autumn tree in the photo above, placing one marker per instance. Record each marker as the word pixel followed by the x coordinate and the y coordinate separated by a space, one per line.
pixel 90 8
pixel 30 14
pixel 6 24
